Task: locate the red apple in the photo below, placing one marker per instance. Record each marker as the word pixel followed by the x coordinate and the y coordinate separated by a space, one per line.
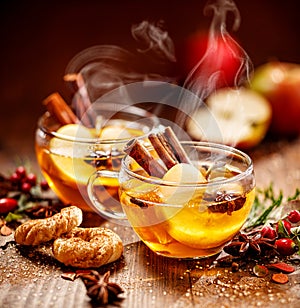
pixel 222 54
pixel 279 82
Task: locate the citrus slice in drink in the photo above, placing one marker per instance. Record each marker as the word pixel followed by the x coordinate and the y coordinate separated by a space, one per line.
pixel 114 132
pixel 196 226
pixel 200 230
pixel 68 155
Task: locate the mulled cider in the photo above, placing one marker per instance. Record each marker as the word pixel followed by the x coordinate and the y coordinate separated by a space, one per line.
pixel 185 206
pixel 69 154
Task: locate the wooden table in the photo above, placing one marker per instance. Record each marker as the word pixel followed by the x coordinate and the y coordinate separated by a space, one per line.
pixel 32 278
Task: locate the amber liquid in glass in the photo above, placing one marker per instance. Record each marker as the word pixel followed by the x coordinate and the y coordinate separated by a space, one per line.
pixel 68 175
pixel 201 227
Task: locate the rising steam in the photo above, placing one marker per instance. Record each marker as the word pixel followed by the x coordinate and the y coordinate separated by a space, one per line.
pixel 155 39
pixel 208 75
pixel 107 67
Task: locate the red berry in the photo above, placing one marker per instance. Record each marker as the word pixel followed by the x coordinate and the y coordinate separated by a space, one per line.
pixel 21 172
pixel 31 179
pixel 15 178
pixel 7 205
pixel 286 224
pixel 26 187
pixel 268 232
pixel 294 216
pixel 286 246
pixel 44 185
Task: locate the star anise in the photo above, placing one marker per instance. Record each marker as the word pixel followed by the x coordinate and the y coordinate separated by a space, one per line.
pixel 99 289
pixel 250 244
pixel 44 211
pixel 105 159
pixel 227 202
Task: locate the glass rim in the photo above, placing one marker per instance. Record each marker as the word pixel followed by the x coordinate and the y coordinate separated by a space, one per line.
pixel 130 109
pixel 206 144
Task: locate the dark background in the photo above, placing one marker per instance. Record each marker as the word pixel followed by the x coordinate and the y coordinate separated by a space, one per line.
pixel 39 38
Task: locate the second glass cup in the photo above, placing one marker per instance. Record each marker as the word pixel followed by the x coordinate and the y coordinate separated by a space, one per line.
pixel 68 155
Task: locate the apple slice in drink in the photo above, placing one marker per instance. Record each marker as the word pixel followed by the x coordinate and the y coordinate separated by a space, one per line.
pixel 237 117
pixel 181 174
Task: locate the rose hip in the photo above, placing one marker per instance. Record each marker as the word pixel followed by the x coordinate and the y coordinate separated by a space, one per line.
pixel 15 178
pixel 7 205
pixel 286 224
pixel 282 267
pixel 31 179
pixel 280 278
pixel 294 216
pixel 21 172
pixel 26 187
pixel 286 246
pixel 44 185
pixel 268 232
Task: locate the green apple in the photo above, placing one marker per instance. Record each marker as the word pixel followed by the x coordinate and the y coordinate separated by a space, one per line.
pixel 279 82
pixel 236 117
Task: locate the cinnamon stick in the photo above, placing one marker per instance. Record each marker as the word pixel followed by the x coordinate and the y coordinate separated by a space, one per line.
pixel 71 79
pixel 167 147
pixel 142 156
pixel 56 105
pixel 81 99
pixel 78 84
pixel 173 141
pixel 163 150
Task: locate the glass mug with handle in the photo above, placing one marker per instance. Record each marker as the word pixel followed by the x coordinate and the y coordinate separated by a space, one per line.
pixel 184 200
pixel 69 154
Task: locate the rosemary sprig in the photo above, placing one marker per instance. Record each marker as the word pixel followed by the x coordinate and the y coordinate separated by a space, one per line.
pixel 265 205
pixel 295 196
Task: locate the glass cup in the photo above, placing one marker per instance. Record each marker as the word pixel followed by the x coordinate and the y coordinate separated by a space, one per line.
pixel 68 155
pixel 179 216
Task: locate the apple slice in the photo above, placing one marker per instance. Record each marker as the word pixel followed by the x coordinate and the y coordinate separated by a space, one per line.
pixel 177 197
pixel 181 174
pixel 237 117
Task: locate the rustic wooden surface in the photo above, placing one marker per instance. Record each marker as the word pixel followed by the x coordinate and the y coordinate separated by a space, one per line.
pixel 32 278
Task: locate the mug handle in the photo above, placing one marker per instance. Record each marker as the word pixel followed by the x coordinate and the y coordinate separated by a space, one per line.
pixel 98 206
